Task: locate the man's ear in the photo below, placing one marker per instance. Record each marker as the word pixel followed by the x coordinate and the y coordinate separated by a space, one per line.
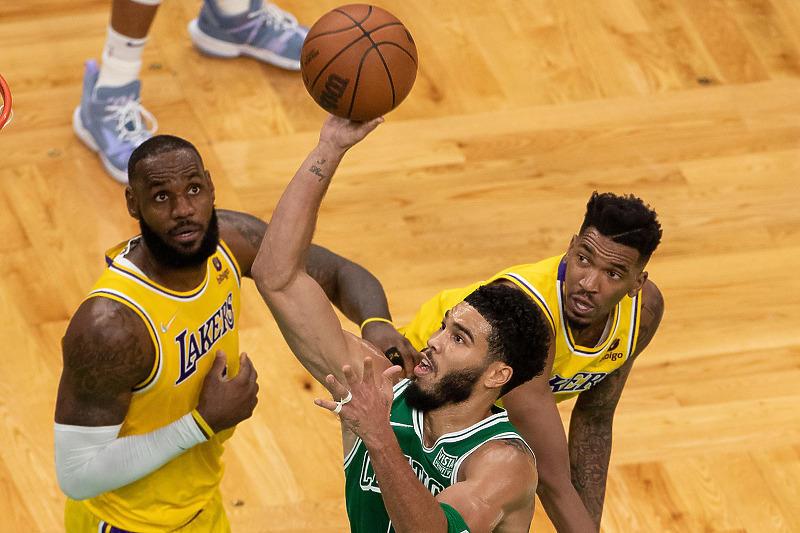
pixel 497 375
pixel 640 279
pixel 573 242
pixel 210 184
pixel 132 204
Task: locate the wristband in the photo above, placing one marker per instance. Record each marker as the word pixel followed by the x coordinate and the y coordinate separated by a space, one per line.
pixel 394 356
pixel 203 424
pixel 376 319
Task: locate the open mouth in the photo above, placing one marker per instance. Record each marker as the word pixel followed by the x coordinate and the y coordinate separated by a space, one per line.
pixel 425 366
pixel 186 234
pixel 582 306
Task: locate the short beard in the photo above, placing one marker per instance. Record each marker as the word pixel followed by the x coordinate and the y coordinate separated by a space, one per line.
pixel 455 387
pixel 574 325
pixel 172 257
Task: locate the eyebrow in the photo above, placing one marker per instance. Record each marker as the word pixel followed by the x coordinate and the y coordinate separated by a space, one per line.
pixel 592 250
pixel 461 328
pixel 466 332
pixel 156 182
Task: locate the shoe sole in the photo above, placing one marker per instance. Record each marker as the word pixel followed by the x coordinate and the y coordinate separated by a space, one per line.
pixel 86 137
pixel 219 48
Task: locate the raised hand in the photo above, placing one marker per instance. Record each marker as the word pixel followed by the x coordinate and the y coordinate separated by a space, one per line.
pixel 367 412
pixel 343 134
pixel 225 402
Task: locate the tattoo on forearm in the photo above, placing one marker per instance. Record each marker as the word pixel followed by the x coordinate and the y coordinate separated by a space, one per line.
pixel 590 452
pixel 317 170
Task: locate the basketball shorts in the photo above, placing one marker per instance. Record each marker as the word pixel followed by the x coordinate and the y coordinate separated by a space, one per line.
pixel 212 519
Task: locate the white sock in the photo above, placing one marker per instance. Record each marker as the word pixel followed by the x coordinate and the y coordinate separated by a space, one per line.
pixel 122 59
pixel 233 7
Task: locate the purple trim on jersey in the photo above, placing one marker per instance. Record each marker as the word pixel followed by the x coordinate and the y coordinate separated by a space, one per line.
pixel 562 270
pixel 533 292
pixel 135 276
pixel 223 248
pixel 634 324
pixel 113 295
pixel 130 274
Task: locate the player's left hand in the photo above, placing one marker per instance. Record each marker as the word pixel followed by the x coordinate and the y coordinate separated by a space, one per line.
pixel 367 412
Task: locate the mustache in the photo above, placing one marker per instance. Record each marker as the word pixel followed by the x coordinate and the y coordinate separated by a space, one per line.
pixel 187 225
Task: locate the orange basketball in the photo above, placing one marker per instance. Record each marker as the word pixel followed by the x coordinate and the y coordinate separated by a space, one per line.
pixel 358 62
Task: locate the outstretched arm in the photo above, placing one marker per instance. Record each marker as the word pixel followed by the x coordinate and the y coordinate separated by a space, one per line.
pixel 348 285
pixel 300 306
pixel 591 423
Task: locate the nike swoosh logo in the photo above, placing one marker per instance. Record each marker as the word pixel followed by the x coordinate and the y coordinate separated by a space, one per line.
pixel 164 328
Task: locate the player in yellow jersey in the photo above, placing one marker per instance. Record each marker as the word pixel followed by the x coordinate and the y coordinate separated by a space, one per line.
pixel 603 311
pixel 147 395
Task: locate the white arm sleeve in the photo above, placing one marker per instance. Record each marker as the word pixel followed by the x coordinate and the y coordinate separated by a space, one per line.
pixel 92 460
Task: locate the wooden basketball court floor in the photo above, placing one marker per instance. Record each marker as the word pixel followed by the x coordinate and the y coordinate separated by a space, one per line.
pixel 521 109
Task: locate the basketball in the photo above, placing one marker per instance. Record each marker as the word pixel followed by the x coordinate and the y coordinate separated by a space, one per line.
pixel 358 62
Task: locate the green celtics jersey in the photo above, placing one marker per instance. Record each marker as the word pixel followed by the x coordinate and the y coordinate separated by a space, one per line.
pixel 437 466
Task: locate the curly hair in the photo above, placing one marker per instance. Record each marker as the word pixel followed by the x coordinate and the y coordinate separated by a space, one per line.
pixel 520 333
pixel 625 219
pixel 157 145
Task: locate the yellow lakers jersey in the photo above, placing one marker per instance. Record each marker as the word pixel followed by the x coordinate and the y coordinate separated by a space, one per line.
pixel 187 328
pixel 576 368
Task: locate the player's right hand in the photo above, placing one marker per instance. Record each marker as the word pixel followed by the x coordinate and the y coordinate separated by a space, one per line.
pixel 224 402
pixel 344 134
pixel 395 346
pixel 367 411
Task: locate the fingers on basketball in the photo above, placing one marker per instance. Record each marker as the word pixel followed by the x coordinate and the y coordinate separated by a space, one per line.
pixel 358 62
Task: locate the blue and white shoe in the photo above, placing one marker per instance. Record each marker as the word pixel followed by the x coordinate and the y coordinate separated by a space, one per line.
pixel 112 121
pixel 265 32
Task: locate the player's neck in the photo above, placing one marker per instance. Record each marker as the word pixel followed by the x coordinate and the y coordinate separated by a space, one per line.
pixel 176 279
pixel 454 417
pixel 593 334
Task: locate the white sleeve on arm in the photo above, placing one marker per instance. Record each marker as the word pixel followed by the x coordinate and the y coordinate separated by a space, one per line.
pixel 92 460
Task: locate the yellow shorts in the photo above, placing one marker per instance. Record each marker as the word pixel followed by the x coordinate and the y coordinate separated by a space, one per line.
pixel 212 519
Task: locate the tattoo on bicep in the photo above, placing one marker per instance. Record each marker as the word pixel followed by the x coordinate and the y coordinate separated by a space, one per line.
pixel 518 445
pixel 107 358
pixel 652 312
pixel 251 228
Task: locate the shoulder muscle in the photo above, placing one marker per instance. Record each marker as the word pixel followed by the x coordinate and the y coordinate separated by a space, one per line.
pixel 107 350
pixel 496 487
pixel 652 311
pixel 243 233
pixel 505 468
